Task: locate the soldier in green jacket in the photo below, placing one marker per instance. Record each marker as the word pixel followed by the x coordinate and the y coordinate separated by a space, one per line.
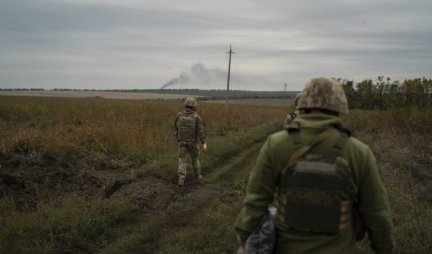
pixel 190 134
pixel 318 174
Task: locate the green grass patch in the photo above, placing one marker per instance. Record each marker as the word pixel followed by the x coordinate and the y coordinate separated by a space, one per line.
pixel 72 225
pixel 209 231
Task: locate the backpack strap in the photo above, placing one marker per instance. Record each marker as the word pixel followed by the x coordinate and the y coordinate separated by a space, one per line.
pixel 299 152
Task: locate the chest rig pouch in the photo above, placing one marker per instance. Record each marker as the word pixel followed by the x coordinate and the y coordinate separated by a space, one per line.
pixel 315 190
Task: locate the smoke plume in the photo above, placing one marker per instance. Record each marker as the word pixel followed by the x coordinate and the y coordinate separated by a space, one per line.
pixel 199 74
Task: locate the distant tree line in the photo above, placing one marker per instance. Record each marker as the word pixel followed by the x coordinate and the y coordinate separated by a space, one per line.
pixel 212 94
pixel 381 93
pixel 74 89
pixel 22 89
pixel 384 93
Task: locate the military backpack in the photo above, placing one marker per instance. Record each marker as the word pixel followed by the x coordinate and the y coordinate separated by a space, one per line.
pixel 316 190
pixel 187 127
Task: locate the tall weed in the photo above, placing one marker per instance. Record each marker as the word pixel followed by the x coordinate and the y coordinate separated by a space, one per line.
pixel 401 140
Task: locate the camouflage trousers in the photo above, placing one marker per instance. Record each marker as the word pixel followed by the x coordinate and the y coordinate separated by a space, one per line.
pixel 191 149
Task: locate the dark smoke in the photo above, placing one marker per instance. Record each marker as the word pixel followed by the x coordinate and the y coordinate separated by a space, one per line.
pixel 198 73
pixel 182 79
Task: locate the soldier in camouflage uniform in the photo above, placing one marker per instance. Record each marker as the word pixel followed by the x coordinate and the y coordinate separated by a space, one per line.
pixel 325 180
pixel 190 134
pixel 290 116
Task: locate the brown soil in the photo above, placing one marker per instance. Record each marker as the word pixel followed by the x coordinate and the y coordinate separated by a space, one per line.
pixel 30 179
pixel 149 194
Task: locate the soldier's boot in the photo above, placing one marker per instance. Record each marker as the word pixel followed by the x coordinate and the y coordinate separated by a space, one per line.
pixel 180 183
pixel 180 188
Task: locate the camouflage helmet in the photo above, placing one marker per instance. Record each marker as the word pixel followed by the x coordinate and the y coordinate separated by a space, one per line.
pixel 190 102
pixel 324 93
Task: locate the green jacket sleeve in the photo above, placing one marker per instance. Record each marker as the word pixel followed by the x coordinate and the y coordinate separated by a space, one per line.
pixel 259 194
pixel 374 206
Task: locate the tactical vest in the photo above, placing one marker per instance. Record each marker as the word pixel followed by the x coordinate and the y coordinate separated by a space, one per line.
pixel 316 191
pixel 187 127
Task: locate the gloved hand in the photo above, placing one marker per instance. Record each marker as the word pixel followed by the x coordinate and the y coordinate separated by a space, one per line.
pixel 204 148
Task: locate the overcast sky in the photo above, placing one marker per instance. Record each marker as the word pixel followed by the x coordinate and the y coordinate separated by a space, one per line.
pixel 144 44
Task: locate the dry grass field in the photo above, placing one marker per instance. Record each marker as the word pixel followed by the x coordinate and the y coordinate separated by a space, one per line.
pixel 90 175
pixel 75 171
pixel 259 102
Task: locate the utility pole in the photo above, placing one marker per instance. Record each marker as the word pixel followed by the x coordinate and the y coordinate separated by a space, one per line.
pixel 228 81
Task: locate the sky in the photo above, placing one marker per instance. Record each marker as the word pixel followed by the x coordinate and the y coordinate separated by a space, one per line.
pixel 144 44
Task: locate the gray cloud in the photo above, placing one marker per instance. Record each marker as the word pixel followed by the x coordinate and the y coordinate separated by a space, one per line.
pixel 142 43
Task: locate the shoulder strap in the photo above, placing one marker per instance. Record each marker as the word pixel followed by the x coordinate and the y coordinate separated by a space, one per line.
pixel 299 152
pixel 303 150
